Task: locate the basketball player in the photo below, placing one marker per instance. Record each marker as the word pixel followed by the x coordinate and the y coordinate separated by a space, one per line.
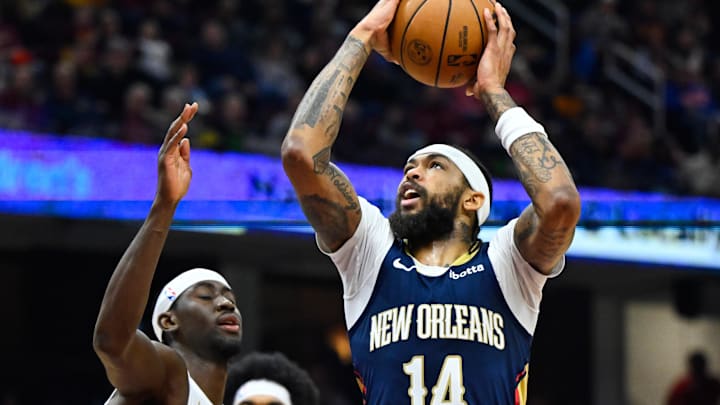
pixel 435 316
pixel 194 318
pixel 270 379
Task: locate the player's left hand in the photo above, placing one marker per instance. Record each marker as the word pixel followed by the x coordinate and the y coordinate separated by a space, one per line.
pixel 496 60
pixel 374 27
pixel 174 172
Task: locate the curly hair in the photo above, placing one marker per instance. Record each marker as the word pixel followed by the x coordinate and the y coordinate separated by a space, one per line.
pixel 274 367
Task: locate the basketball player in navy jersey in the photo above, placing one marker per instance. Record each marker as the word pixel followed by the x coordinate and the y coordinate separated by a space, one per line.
pixel 194 318
pixel 435 316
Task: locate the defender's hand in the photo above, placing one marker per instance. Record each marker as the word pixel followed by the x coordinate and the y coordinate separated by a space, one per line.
pixel 495 62
pixel 174 172
pixel 373 28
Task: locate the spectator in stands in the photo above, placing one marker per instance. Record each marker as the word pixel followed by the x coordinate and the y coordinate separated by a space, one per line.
pixel 20 105
pixel 266 52
pixel 698 387
pixel 137 123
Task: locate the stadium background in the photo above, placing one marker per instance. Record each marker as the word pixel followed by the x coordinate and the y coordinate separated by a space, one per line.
pixel 628 91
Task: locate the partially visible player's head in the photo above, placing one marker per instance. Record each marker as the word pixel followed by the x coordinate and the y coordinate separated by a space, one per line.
pixel 440 184
pixel 197 311
pixel 269 379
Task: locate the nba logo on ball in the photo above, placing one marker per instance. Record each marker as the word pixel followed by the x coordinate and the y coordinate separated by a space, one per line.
pixel 419 52
pixel 439 42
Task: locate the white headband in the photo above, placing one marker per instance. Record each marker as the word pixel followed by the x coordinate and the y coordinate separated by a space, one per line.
pixel 469 169
pixel 262 387
pixel 177 286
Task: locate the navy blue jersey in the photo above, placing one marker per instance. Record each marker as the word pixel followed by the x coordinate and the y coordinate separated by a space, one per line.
pixel 449 339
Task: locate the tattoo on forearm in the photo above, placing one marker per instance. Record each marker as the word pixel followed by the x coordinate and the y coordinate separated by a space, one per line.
pixel 334 119
pixel 353 55
pixel 309 109
pixel 535 159
pixel 497 103
pixel 325 100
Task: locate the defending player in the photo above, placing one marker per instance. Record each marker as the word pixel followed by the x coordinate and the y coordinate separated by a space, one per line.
pixel 194 317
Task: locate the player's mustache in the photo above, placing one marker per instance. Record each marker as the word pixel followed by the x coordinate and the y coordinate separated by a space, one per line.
pixel 422 192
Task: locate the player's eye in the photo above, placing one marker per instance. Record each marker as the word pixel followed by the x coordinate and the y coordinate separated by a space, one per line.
pixel 205 297
pixel 407 169
pixel 435 164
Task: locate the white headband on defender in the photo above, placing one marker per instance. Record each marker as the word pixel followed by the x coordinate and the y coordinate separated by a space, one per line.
pixel 469 169
pixel 177 286
pixel 262 387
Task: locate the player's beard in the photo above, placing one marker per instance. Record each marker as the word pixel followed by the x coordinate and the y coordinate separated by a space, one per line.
pixel 435 221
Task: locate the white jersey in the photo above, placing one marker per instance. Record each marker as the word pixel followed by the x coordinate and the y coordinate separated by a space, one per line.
pixel 196 396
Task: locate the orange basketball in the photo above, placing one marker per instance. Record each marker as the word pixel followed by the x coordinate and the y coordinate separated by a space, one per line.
pixel 439 42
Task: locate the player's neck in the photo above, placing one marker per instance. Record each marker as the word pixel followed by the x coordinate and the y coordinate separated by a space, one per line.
pixel 445 251
pixel 211 376
pixel 441 252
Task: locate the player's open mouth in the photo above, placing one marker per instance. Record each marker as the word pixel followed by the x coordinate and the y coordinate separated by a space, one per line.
pixel 409 198
pixel 229 323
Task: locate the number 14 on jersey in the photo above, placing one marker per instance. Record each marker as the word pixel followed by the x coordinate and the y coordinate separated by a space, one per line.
pixel 448 389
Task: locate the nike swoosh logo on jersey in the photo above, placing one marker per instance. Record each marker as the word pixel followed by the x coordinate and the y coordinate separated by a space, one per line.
pixel 398 265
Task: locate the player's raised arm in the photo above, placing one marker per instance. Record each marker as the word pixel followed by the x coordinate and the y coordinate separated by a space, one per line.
pixel 545 229
pixel 328 199
pixel 134 364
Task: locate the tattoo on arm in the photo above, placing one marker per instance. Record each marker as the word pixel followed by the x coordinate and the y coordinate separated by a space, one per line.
pixel 324 102
pixel 329 218
pixel 535 159
pixel 342 185
pixel 321 161
pixel 322 166
pixel 309 110
pixel 497 103
pixel 554 242
pixel 527 224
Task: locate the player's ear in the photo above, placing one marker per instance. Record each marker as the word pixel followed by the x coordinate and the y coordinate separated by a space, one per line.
pixel 168 321
pixel 473 200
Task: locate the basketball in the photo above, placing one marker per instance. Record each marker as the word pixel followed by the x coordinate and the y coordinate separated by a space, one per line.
pixel 439 42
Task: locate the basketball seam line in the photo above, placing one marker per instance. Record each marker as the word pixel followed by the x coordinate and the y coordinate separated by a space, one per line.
pixel 482 32
pixel 442 44
pixel 407 27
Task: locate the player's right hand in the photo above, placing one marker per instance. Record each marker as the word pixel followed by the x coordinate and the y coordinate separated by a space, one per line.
pixel 174 172
pixel 373 27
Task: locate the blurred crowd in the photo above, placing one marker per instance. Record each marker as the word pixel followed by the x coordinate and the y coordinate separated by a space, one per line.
pixel 123 69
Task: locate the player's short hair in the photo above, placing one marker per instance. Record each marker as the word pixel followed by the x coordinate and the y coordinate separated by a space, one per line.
pixel 275 367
